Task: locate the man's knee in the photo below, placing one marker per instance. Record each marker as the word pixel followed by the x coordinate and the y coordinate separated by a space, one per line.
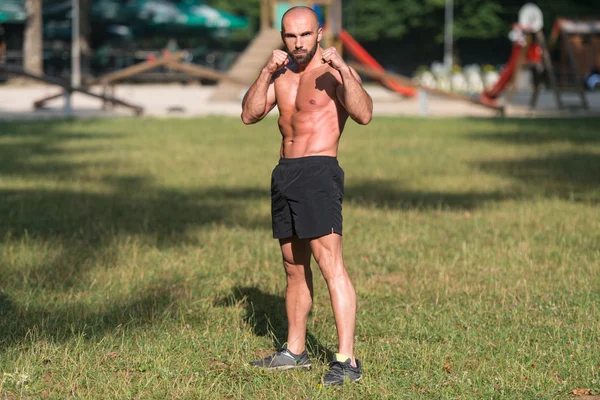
pixel 297 273
pixel 332 267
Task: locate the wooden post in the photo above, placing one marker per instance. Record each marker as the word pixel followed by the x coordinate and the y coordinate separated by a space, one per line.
pixel 265 15
pixel 549 69
pixel 204 72
pixel 574 69
pixel 534 95
pixel 335 23
pixel 75 44
pixel 33 60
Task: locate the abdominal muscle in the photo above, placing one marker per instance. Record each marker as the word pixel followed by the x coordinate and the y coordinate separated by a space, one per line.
pixel 309 133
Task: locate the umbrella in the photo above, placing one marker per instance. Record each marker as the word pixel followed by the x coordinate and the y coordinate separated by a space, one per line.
pixel 163 14
pixel 203 16
pixel 131 12
pixel 182 15
pixel 57 11
pixel 152 12
pixel 12 11
pixel 105 11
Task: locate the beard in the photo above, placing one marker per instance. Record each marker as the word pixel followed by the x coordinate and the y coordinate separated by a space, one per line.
pixel 303 58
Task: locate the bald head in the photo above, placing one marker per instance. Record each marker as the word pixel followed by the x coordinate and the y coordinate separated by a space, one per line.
pixel 301 34
pixel 299 12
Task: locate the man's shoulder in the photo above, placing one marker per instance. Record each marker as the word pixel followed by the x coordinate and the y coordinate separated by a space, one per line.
pixel 281 74
pixel 332 76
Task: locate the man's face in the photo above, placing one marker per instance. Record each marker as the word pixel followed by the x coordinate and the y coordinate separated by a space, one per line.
pixel 301 36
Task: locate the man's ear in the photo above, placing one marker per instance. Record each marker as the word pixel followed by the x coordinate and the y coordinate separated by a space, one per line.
pixel 319 35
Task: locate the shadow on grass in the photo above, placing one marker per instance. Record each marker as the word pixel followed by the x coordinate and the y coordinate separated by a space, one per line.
pixel 23 325
pixel 266 314
pixel 570 172
pixel 567 175
pixel 576 131
pixel 77 231
pixel 25 143
pixel 85 224
pixel 386 194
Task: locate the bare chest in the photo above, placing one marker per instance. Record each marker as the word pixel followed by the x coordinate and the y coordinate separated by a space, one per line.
pixel 308 92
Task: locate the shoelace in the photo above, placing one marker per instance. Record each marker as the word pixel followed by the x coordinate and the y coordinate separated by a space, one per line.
pixel 284 352
pixel 337 369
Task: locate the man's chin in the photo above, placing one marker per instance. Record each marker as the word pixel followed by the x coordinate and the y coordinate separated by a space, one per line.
pixel 301 60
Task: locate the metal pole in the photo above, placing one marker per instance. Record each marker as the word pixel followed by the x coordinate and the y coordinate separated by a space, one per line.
pixel 68 109
pixel 75 46
pixel 448 35
pixel 423 106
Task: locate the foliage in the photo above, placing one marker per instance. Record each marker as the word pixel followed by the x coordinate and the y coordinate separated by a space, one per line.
pixel 393 19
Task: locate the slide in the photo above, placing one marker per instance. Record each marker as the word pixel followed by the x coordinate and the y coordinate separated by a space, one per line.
pixel 365 58
pixel 490 95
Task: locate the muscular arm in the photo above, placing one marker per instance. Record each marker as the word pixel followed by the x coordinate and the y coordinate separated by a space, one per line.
pixel 354 97
pixel 259 100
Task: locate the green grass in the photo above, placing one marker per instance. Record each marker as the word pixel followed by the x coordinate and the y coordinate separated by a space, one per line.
pixel 136 260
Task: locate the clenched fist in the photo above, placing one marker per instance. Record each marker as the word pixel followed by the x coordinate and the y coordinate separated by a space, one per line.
pixel 278 60
pixel 333 58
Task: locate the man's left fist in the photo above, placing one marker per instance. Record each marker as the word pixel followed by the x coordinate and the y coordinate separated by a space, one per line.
pixel 333 58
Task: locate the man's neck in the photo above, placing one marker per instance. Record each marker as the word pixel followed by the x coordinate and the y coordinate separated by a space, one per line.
pixel 316 62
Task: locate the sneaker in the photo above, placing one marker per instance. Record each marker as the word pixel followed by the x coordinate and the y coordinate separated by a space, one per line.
pixel 341 370
pixel 283 359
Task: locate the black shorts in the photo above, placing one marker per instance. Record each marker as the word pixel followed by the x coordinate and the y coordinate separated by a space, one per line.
pixel 306 197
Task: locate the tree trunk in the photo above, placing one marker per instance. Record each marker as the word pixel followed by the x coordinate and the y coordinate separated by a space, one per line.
pixel 84 35
pixel 33 42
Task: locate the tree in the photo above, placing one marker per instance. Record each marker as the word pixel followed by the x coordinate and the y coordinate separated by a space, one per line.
pixel 390 19
pixel 33 41
pixel 84 33
pixel 371 20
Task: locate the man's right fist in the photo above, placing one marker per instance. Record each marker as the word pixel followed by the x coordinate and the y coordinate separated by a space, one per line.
pixel 279 59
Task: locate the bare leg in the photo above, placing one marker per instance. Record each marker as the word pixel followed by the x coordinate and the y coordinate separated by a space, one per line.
pixel 327 251
pixel 299 291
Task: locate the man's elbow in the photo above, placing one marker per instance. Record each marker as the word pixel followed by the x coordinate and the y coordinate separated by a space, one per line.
pixel 364 119
pixel 248 120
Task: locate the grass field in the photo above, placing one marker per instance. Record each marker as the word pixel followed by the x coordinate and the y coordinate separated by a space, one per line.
pixel 136 260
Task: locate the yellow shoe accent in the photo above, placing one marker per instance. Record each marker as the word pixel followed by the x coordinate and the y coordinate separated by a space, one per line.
pixel 341 357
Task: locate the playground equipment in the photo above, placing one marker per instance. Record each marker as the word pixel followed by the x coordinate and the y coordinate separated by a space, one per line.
pixel 68 89
pixel 173 61
pixel 365 58
pixel 408 83
pixel 579 42
pixel 110 78
pixel 530 51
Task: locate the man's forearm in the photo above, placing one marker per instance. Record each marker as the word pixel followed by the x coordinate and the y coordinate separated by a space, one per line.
pixel 358 102
pixel 254 105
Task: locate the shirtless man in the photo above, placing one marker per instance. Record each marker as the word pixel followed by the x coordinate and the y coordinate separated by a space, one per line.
pixel 316 92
